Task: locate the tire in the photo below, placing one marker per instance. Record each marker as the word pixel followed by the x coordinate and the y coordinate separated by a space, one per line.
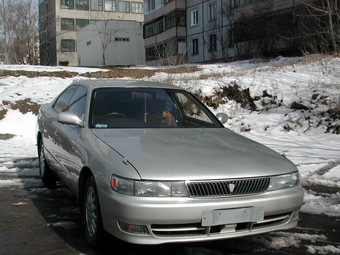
pixel 93 224
pixel 46 174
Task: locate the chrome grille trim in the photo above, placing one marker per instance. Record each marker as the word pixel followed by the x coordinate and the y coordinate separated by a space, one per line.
pixel 197 230
pixel 220 188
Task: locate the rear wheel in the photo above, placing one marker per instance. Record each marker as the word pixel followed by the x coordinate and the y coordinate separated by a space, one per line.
pixel 46 174
pixel 93 224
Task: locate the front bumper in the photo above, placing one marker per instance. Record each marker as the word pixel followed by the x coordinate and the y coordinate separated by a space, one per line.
pixel 170 220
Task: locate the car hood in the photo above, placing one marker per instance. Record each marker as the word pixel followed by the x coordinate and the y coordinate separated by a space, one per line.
pixel 193 154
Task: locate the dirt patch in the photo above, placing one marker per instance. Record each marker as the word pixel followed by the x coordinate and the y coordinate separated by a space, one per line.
pixel 231 92
pixel 6 136
pixel 116 72
pixel 2 114
pixel 33 74
pixel 24 106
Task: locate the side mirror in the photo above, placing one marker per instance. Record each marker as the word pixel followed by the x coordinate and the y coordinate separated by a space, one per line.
pixel 69 118
pixel 222 117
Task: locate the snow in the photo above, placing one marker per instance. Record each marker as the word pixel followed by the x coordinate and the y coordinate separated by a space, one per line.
pixel 312 81
pixel 64 224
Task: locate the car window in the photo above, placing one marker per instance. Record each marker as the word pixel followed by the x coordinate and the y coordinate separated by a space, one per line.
pixel 148 107
pixel 191 109
pixel 63 100
pixel 78 101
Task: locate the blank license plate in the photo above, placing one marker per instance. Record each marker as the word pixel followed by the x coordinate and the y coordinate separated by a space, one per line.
pixel 230 216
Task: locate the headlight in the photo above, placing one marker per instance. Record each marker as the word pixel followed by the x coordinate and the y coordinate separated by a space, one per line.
pixel 160 189
pixel 284 181
pixel 148 188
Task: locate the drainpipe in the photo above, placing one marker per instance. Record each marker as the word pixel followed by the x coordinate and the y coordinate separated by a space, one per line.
pixel 203 30
pixel 5 32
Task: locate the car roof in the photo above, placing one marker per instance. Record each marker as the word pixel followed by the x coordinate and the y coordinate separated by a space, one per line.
pixel 112 83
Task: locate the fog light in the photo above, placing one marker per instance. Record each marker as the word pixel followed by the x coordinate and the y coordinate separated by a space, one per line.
pixel 134 229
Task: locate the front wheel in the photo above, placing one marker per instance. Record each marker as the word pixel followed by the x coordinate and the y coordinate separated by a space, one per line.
pixel 94 230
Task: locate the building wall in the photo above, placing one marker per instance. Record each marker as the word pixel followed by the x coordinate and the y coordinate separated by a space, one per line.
pixel 54 16
pixel 272 28
pixel 125 49
pixel 285 4
pixel 165 9
pixel 204 29
pixel 47 33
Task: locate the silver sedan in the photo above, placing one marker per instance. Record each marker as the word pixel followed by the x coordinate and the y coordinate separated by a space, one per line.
pixel 151 164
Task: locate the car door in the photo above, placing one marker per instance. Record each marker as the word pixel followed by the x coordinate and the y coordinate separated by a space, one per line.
pixel 67 139
pixel 53 136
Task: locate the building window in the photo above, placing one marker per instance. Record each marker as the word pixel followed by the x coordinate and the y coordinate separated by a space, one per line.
pixel 194 17
pixel 195 46
pixel 170 20
pixel 68 45
pixel 236 3
pixel 176 18
pixel 150 53
pixel 124 6
pixel 136 7
pixel 82 4
pixel 80 23
pixel 213 42
pixel 212 12
pixel 122 39
pixel 67 24
pixel 149 5
pixel 181 17
pixel 110 6
pixel 182 46
pixel 96 5
pixel 67 4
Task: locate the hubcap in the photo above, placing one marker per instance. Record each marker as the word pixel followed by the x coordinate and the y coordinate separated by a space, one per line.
pixel 91 212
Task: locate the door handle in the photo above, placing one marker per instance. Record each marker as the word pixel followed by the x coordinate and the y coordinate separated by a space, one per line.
pixel 56 133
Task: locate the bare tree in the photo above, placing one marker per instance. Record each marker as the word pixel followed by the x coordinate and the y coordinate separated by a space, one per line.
pixel 216 36
pixel 20 30
pixel 107 28
pixel 106 33
pixel 320 24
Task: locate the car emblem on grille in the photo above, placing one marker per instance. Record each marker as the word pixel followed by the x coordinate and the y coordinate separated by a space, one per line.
pixel 231 187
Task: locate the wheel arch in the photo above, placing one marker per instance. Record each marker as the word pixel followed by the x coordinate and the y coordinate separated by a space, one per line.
pixel 84 174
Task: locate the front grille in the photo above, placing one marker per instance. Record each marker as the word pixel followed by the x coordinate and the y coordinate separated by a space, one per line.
pixel 219 188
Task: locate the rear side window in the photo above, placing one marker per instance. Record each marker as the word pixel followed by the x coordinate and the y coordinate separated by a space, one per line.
pixel 64 99
pixel 77 103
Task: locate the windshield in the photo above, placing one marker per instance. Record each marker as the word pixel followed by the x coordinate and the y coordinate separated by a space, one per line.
pixel 148 108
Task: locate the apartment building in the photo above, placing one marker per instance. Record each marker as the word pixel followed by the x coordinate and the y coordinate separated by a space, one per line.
pixel 268 27
pixel 59 21
pixel 165 32
pixel 196 31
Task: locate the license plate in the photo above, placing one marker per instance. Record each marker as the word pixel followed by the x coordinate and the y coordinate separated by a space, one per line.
pixel 231 216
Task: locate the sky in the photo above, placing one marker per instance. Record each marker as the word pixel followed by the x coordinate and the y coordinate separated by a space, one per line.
pixel 299 134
